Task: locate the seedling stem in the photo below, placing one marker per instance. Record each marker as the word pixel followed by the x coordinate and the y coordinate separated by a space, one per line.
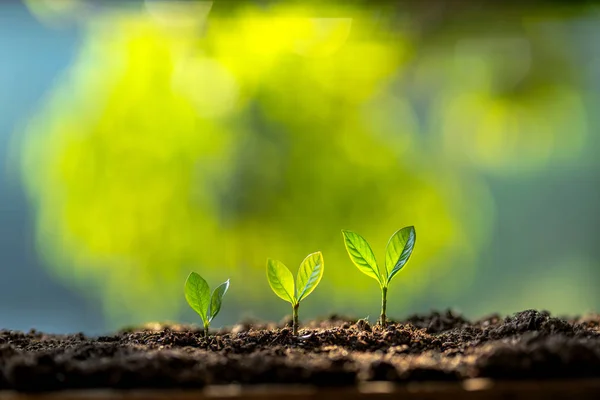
pixel 382 318
pixel 295 318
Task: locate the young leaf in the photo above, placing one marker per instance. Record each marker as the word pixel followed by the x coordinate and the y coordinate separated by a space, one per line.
pixel 217 299
pixel 398 250
pixel 361 254
pixel 309 275
pixel 197 294
pixel 281 280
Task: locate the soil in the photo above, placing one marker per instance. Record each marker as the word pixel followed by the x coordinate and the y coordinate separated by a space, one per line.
pixel 336 352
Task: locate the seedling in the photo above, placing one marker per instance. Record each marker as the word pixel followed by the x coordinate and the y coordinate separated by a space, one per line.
pixel 397 253
pixel 198 296
pixel 281 281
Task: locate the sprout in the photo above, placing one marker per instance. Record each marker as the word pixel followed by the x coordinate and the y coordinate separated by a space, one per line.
pixel 282 282
pixel 397 253
pixel 198 296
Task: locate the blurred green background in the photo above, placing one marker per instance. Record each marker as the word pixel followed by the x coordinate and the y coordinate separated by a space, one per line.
pixel 146 139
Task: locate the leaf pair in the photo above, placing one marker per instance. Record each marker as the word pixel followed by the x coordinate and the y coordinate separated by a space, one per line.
pixel 397 253
pixel 281 279
pixel 199 297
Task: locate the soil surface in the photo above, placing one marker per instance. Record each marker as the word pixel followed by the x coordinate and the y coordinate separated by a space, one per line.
pixel 332 352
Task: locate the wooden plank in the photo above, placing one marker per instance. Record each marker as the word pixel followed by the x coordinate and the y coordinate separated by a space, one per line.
pixel 473 389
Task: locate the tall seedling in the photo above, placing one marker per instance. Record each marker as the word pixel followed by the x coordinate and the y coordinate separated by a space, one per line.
pixel 282 282
pixel 397 253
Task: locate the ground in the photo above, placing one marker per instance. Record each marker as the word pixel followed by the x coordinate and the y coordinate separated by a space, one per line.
pixel 337 351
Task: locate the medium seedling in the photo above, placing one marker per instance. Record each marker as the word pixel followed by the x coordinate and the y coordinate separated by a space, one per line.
pixel 199 297
pixel 397 253
pixel 281 281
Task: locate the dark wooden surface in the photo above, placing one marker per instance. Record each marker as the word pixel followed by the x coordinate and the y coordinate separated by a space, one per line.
pixel 471 389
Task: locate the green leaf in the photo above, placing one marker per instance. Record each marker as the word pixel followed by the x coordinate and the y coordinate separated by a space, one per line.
pixel 361 254
pixel 281 280
pixel 398 250
pixel 217 299
pixel 309 275
pixel 197 294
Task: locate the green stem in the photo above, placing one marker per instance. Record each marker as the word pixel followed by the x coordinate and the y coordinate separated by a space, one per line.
pixel 206 325
pixel 382 318
pixel 295 318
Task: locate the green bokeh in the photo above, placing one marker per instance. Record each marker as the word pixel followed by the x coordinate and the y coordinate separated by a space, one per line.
pixel 177 144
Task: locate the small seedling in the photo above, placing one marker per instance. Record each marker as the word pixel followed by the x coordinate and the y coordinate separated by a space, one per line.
pixel 281 281
pixel 198 296
pixel 397 253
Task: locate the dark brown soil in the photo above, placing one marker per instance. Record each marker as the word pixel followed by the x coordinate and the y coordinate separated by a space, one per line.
pixel 332 352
